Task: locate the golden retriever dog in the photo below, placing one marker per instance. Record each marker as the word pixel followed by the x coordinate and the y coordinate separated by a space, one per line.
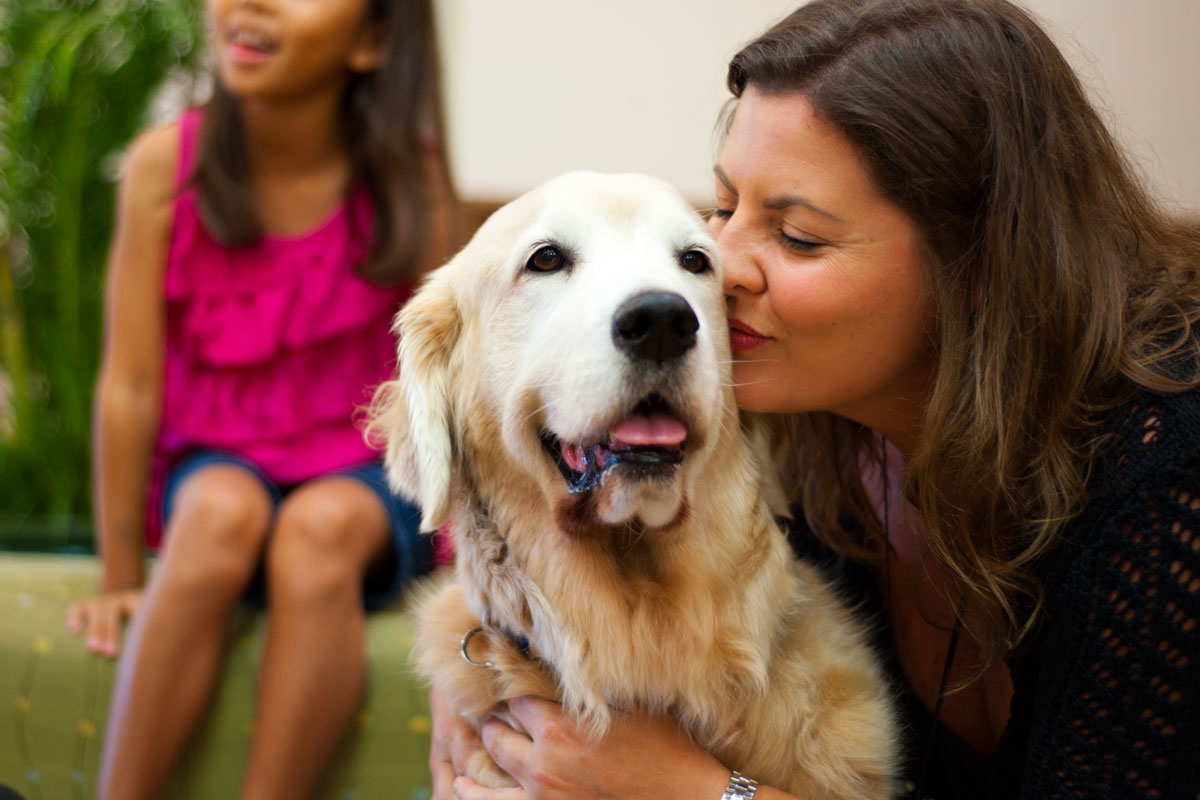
pixel 564 398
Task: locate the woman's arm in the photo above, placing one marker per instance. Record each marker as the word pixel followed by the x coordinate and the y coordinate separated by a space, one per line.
pixel 640 756
pixel 1116 706
pixel 129 387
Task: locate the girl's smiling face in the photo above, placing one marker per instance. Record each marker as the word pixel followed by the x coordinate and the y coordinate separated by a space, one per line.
pixel 829 306
pixel 275 48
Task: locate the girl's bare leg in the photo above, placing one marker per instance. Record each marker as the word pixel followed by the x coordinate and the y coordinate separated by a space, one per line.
pixel 314 664
pixel 173 649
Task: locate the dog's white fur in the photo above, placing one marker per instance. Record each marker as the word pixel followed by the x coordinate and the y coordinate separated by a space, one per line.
pixel 675 592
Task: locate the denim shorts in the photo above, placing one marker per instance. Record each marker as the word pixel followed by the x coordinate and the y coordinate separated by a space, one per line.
pixel 409 553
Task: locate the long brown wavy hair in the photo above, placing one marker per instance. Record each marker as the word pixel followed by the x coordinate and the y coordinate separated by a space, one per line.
pixel 1060 285
pixel 390 116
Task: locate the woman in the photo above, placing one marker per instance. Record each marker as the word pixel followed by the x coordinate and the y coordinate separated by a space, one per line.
pixel 977 330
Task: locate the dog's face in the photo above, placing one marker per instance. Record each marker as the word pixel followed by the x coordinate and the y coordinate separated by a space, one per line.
pixel 579 344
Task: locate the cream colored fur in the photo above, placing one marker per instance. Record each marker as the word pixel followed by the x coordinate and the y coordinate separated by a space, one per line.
pixel 681 596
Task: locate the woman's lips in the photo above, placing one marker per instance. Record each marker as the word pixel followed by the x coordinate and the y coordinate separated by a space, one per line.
pixel 742 337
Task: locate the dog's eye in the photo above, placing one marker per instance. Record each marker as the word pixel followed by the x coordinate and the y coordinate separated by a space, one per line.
pixel 546 259
pixel 695 261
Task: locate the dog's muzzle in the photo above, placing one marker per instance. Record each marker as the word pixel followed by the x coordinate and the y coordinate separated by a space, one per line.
pixel 654 330
pixel 650 440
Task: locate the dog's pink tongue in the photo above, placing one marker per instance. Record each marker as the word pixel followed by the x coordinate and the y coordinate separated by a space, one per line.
pixel 653 430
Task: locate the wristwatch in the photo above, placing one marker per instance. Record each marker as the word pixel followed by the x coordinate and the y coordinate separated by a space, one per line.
pixel 740 787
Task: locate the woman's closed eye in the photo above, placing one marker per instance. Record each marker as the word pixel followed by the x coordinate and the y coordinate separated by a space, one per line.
pixel 800 245
pixel 790 242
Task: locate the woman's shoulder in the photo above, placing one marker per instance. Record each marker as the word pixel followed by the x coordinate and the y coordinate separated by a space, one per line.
pixel 1137 512
pixel 1143 497
pixel 1152 429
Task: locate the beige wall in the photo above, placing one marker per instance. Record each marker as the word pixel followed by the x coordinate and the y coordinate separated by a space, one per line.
pixel 539 87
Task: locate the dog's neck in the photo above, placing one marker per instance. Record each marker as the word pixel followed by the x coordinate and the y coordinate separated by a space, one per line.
pixel 680 587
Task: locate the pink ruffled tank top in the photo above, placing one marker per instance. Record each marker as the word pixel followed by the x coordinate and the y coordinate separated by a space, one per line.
pixel 271 350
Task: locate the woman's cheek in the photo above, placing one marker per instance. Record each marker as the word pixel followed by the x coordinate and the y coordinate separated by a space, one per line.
pixel 808 298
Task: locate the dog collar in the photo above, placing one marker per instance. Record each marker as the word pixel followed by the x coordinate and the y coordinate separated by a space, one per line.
pixel 521 642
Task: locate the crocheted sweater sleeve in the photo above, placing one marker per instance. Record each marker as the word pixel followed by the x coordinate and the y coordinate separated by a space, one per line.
pixel 1108 701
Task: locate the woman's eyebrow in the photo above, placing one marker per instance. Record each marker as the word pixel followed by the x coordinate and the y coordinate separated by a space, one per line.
pixel 723 178
pixel 778 203
pixel 788 200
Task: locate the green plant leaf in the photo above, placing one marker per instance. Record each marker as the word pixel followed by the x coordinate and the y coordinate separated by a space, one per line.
pixel 76 81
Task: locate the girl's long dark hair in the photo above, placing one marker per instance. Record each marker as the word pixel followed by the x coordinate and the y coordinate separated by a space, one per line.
pixel 391 123
pixel 1059 283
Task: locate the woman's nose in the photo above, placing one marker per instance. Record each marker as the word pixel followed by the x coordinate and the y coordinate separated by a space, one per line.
pixel 743 272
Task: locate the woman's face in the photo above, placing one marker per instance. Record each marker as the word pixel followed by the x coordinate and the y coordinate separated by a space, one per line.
pixel 829 306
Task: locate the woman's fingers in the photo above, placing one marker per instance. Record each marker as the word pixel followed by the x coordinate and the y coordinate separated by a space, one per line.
pixel 443 780
pixel 454 740
pixel 467 789
pixel 533 712
pixel 462 743
pixel 510 749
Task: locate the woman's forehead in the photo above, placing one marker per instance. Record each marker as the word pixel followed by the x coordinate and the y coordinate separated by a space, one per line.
pixel 781 148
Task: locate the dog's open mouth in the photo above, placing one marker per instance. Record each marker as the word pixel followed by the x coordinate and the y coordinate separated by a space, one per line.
pixel 651 437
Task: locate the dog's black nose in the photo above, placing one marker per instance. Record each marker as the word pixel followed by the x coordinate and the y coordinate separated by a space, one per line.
pixel 655 326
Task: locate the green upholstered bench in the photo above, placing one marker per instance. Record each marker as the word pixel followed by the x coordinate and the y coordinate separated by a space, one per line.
pixel 54 697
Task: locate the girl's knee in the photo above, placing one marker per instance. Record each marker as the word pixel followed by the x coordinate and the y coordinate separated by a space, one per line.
pixel 216 532
pixel 322 544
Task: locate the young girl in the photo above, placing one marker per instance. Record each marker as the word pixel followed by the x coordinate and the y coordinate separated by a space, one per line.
pixel 263 245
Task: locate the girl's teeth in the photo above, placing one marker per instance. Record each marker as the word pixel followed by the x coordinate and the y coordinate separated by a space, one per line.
pixel 251 40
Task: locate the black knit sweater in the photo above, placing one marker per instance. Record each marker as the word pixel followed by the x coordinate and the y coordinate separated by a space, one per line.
pixel 1107 688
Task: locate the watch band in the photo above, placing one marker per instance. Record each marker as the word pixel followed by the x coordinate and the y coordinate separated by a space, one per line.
pixel 740 787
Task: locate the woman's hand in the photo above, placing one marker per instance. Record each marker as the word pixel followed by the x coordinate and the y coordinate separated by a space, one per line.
pixel 100 619
pixel 640 756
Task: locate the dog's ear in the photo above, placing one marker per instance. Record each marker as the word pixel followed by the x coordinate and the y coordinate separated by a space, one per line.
pixel 411 415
